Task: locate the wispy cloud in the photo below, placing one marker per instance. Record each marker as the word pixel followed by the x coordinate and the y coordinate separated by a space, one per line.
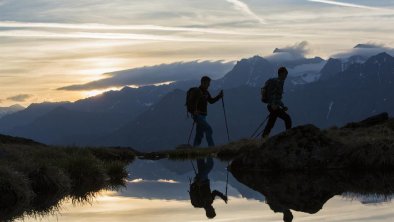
pixel 19 98
pixel 349 5
pixel 96 26
pixel 108 36
pixel 3 2
pixel 244 8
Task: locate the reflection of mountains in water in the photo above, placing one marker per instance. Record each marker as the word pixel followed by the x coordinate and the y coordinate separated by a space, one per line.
pixel 169 180
pixel 308 192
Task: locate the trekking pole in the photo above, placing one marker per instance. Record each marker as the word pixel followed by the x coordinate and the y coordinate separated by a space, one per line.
pixel 195 171
pixel 261 132
pixel 261 124
pixel 191 132
pixel 225 119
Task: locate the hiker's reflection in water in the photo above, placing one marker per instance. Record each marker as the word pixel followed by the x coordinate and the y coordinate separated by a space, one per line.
pixel 200 192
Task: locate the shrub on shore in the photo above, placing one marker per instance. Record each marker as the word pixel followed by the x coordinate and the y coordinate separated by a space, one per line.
pixel 36 177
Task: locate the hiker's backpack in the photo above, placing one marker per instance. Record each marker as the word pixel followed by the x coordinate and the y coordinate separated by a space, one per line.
pixel 200 194
pixel 191 98
pixel 266 91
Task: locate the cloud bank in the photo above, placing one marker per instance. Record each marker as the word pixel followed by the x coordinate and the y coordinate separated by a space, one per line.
pixel 180 71
pixel 366 50
pixel 19 98
pixel 292 52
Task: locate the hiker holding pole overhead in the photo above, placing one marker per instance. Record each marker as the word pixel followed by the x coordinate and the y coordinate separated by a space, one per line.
pixel 197 101
pixel 271 94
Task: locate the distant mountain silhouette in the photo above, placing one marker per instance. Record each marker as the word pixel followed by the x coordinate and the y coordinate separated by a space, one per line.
pixel 335 66
pixel 9 110
pixel 27 115
pixel 346 97
pixel 154 117
pixel 361 90
pixel 251 72
pixel 63 126
pixel 111 110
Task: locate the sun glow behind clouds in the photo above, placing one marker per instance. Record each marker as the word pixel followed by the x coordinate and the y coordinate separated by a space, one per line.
pixel 63 42
pixel 92 93
pixel 102 65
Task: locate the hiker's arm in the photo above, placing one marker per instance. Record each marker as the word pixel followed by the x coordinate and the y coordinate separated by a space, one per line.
pixel 216 193
pixel 214 100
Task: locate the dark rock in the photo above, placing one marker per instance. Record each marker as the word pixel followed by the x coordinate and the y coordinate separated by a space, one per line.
pixel 303 147
pixel 371 121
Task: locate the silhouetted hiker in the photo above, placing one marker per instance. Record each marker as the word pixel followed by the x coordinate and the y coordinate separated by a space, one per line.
pixel 272 95
pixel 197 101
pixel 200 190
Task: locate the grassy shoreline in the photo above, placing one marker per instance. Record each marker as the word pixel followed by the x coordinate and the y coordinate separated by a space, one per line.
pixel 34 177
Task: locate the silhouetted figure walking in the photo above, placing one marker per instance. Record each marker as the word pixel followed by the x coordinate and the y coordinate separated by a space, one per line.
pixel 200 192
pixel 272 95
pixel 197 102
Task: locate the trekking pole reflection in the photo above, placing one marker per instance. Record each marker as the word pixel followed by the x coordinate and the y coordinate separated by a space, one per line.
pixel 200 192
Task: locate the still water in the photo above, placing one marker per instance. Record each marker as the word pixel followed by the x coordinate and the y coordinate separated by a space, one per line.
pixel 162 191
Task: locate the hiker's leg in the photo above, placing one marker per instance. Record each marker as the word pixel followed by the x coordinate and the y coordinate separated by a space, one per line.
pixel 206 167
pixel 271 121
pixel 209 164
pixel 208 134
pixel 208 131
pixel 283 115
pixel 199 131
pixel 200 165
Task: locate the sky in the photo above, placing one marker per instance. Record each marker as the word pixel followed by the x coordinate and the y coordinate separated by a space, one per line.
pixel 47 45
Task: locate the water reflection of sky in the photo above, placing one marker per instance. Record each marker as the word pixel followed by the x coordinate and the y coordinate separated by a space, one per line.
pixel 158 191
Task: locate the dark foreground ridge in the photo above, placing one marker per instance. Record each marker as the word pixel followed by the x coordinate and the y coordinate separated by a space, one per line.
pixel 368 144
pixel 35 178
pixel 17 140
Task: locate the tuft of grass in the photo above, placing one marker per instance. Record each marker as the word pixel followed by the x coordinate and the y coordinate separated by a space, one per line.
pixel 113 154
pixel 34 178
pixel 116 172
pixel 191 153
pixel 15 193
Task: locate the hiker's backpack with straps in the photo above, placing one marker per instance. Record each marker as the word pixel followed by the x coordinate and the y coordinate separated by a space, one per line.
pixel 200 194
pixel 191 100
pixel 266 90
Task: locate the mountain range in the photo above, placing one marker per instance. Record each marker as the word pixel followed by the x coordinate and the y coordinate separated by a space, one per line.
pixel 9 110
pixel 148 118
